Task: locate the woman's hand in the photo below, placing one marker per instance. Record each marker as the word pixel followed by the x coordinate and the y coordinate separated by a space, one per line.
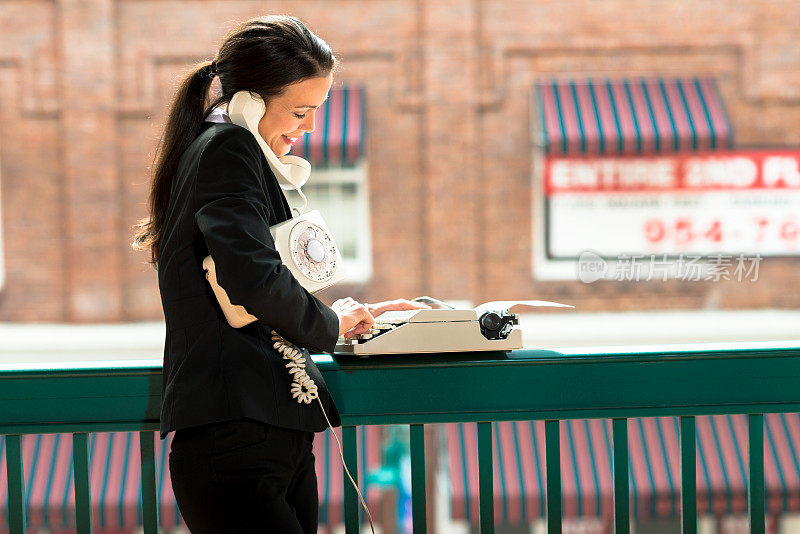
pixel 354 318
pixel 398 304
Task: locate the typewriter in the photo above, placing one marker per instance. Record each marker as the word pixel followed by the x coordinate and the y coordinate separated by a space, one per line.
pixel 490 326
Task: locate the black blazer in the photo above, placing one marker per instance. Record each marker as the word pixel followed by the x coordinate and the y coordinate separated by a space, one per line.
pixel 224 199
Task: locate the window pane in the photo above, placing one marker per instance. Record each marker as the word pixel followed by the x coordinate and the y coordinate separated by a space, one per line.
pixel 349 190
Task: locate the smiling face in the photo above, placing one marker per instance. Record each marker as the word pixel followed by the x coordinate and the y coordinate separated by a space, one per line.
pixel 291 114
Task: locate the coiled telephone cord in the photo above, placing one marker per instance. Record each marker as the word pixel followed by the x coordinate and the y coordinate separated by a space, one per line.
pixel 305 391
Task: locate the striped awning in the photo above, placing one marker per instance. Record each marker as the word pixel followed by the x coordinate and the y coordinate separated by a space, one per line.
pixel 631 116
pixel 654 467
pixel 115 479
pixel 338 136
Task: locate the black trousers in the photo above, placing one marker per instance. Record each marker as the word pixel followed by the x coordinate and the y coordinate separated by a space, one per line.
pixel 245 476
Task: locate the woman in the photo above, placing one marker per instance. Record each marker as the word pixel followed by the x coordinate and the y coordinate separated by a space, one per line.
pixel 241 457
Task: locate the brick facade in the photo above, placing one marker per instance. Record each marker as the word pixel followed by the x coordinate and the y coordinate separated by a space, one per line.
pixel 84 85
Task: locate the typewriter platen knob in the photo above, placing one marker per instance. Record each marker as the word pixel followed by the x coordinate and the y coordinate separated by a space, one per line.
pixel 490 325
pixel 490 320
pixel 497 325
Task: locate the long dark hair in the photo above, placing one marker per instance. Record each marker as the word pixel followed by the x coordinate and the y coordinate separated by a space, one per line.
pixel 262 55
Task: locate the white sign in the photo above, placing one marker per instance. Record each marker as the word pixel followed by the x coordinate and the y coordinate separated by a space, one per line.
pixel 727 202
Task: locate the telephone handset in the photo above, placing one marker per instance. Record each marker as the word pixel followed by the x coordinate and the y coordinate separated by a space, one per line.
pixel 246 110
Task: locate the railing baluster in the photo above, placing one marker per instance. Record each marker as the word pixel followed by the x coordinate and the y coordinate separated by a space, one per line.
pixel 485 482
pixel 552 452
pixel 83 499
pixel 688 476
pixel 351 502
pixel 147 451
pixel 418 508
pixel 622 520
pixel 16 485
pixel 755 438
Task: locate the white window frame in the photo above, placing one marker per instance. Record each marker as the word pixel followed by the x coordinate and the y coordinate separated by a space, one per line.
pixel 358 269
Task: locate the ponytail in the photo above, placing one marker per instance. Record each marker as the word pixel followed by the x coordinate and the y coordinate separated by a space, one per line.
pixel 186 115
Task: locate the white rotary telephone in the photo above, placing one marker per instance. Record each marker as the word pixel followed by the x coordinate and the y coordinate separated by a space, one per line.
pixel 304 242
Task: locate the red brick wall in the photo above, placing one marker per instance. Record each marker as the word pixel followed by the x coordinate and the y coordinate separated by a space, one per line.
pixel 84 85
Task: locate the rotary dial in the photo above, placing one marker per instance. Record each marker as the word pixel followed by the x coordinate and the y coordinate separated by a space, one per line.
pixel 313 251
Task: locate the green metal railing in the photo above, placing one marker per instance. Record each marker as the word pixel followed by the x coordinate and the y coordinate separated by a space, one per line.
pixel 416 390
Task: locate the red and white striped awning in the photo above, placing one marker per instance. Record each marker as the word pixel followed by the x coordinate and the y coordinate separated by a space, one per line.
pixel 631 116
pixel 654 467
pixel 115 479
pixel 338 136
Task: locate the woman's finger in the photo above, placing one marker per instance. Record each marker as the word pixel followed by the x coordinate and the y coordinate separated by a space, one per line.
pixel 366 318
pixel 360 328
pixel 399 304
pixel 406 305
